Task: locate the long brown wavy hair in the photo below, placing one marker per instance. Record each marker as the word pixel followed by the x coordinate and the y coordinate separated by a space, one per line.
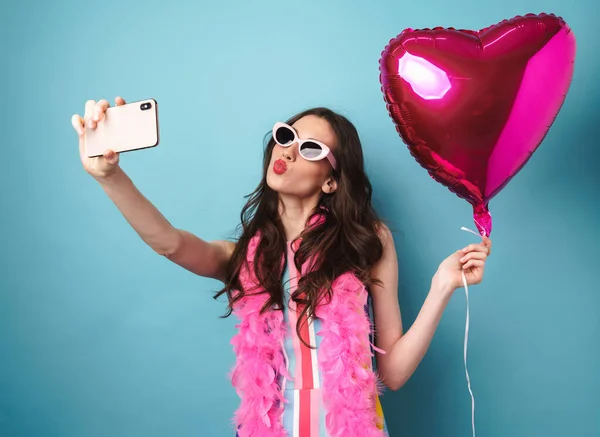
pixel 347 240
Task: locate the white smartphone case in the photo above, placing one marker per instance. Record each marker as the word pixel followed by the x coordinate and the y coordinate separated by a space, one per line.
pixel 132 126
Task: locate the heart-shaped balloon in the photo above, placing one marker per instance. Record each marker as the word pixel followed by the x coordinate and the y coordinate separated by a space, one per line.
pixel 473 106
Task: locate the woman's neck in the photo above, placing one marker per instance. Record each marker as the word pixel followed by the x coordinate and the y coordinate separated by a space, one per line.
pixel 294 213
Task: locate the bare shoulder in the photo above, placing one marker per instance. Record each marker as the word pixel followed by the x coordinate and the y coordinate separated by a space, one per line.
pixel 385 234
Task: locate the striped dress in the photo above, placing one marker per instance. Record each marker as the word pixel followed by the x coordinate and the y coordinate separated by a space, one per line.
pixel 304 413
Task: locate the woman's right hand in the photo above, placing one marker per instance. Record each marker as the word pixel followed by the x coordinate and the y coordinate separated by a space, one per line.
pixel 100 167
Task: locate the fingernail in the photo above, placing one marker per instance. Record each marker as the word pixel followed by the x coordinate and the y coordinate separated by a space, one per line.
pixel 462 259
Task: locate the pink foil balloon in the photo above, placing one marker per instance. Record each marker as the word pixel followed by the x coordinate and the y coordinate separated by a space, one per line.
pixel 473 106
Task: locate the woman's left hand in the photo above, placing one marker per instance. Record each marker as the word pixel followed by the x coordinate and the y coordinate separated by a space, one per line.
pixel 471 260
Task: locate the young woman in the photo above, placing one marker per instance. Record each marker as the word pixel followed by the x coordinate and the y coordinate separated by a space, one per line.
pixel 312 278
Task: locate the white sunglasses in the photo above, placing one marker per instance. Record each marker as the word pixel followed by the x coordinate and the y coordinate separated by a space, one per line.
pixel 311 150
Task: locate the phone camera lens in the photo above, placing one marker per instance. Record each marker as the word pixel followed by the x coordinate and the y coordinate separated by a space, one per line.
pixel 145 106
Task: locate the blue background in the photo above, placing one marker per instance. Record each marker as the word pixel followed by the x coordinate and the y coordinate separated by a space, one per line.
pixel 100 336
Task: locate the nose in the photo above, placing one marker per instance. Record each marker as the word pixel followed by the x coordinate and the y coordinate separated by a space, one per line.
pixel 288 153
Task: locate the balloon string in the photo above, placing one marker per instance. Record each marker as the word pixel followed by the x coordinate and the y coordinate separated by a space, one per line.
pixel 464 279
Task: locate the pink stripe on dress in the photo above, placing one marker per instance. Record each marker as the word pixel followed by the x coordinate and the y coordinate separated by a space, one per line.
pixel 293 320
pixel 304 365
pixel 305 416
pixel 316 417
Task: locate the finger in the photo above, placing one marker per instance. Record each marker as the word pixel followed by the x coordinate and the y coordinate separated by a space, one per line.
pixel 488 243
pixel 473 263
pixel 119 101
pixel 475 247
pixel 89 111
pixel 77 122
pixel 99 110
pixel 473 255
pixel 111 157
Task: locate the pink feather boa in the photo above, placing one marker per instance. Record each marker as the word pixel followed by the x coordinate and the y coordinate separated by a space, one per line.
pixel 349 383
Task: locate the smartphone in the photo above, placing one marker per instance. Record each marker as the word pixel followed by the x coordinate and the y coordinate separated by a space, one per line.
pixel 133 126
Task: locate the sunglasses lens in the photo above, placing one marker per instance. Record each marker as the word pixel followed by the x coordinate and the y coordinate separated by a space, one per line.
pixel 283 135
pixel 310 150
